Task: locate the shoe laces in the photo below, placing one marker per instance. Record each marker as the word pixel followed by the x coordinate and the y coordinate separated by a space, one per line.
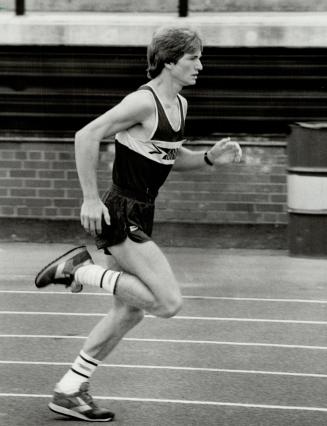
pixel 84 390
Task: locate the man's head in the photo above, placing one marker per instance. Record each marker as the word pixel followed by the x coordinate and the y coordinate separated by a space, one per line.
pixel 168 45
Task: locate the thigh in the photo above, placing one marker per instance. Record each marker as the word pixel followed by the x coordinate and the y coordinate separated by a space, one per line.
pixel 148 263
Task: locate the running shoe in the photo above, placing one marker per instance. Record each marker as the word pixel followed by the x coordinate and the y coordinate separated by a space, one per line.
pixel 80 405
pixel 62 269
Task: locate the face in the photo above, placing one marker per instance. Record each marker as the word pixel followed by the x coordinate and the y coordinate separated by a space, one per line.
pixel 187 68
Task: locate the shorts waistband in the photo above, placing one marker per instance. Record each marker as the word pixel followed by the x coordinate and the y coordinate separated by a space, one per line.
pixel 135 195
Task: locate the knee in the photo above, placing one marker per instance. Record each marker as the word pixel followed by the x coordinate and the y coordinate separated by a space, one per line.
pixel 170 307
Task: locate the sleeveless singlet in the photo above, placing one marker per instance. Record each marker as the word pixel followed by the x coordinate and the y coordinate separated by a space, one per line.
pixel 143 166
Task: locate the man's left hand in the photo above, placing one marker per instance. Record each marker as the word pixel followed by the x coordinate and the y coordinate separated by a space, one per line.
pixel 225 151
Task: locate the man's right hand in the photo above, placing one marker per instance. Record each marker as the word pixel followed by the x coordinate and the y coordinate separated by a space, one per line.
pixel 92 212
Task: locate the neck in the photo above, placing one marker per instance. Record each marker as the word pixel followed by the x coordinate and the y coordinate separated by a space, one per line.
pixel 166 87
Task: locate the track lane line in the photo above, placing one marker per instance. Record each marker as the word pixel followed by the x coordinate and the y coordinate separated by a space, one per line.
pixel 174 368
pixel 241 299
pixel 177 317
pixel 179 401
pixel 195 342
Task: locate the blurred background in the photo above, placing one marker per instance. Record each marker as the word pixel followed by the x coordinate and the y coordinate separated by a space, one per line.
pixel 63 63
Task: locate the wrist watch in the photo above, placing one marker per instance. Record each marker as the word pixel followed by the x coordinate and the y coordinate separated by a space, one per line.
pixel 206 159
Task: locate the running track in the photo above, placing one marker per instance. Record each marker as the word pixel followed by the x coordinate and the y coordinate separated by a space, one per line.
pixel 249 347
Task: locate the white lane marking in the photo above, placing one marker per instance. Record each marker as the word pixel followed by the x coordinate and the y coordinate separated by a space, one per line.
pixel 196 342
pixel 177 317
pixel 240 299
pixel 176 368
pixel 180 401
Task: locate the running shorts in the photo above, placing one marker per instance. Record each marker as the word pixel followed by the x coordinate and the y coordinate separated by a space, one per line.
pixel 131 215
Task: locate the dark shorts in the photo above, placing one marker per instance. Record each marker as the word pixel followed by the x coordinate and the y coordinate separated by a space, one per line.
pixel 129 217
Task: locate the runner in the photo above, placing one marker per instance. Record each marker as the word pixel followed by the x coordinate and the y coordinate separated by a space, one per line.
pixel 148 125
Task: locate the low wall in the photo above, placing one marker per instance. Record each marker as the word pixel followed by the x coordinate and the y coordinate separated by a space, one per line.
pixel 38 179
pixel 247 29
pixel 170 5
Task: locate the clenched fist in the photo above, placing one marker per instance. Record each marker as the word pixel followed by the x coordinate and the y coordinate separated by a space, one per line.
pixel 225 151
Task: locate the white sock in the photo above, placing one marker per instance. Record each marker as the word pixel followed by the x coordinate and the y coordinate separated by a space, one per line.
pixel 80 372
pixel 97 276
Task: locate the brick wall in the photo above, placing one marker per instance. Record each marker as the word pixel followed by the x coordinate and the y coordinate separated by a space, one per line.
pixel 38 179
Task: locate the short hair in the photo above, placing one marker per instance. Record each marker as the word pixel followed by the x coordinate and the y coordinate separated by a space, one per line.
pixel 168 45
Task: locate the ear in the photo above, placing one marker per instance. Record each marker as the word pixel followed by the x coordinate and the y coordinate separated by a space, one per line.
pixel 169 65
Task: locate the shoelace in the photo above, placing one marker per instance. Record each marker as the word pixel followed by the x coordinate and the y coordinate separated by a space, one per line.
pixel 87 397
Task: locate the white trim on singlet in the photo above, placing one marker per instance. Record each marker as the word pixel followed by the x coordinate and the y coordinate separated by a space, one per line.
pixel 155 126
pixel 156 115
pixel 180 105
pixel 162 152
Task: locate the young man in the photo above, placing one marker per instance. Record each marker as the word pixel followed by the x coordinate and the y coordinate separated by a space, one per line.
pixel 149 129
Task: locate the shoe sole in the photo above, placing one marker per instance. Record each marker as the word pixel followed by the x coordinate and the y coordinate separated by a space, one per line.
pixel 74 414
pixel 60 259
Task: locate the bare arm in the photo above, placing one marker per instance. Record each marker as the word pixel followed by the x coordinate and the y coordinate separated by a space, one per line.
pixel 224 151
pixel 132 110
pixel 189 160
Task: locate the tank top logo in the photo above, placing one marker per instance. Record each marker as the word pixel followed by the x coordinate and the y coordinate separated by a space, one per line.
pixel 166 153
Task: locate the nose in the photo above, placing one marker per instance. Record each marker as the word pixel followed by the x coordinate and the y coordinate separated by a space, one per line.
pixel 199 65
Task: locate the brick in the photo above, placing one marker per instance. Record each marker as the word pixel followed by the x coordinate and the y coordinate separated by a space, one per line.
pixel 34 146
pixel 37 202
pixel 270 188
pixel 238 217
pixel 36 212
pixel 278 178
pixel 22 211
pixel 10 164
pixel 50 155
pixel 72 174
pixel 11 183
pixel 65 203
pixel 35 155
pixel 51 193
pixel 36 165
pixel 50 211
pixel 66 184
pixel 51 174
pixel 254 198
pixel 38 183
pixel 64 165
pixel 278 198
pixel 12 201
pixel 270 218
pixel 7 211
pixel 240 207
pixel 74 193
pixel 7 155
pixel 22 173
pixel 269 207
pixel 184 205
pixel 23 192
pixel 66 156
pixel 21 155
pixel 67 212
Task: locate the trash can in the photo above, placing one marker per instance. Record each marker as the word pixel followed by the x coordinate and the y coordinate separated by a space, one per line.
pixel 307 189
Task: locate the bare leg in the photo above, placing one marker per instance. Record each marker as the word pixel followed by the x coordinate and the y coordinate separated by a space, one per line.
pixel 148 283
pixel 109 331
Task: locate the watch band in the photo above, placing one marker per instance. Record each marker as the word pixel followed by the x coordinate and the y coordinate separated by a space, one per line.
pixel 206 159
